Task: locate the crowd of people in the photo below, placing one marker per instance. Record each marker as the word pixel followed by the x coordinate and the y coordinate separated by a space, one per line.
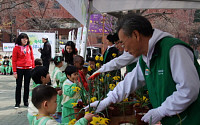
pixel 166 65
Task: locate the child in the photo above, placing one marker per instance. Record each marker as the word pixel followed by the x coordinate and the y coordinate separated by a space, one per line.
pixel 57 80
pixel 5 66
pixel 38 62
pixel 44 99
pixel 40 75
pixel 92 63
pixel 69 95
pixel 85 71
pixel 10 71
pixel 1 62
pixel 78 63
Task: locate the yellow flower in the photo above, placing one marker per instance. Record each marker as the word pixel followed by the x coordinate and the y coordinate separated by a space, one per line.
pixel 108 75
pixel 111 86
pixel 125 100
pixel 116 78
pixel 144 98
pixel 96 57
pixel 101 80
pixel 103 121
pixel 89 112
pixel 76 89
pixel 72 122
pixel 99 121
pixel 95 120
pixel 101 58
pixel 74 104
pixel 97 65
pixel 89 68
pixel 93 99
pixel 114 55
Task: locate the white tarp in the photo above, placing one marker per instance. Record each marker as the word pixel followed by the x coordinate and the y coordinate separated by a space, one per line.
pixel 78 39
pixel 121 5
pixel 77 8
pixel 36 42
pixel 8 47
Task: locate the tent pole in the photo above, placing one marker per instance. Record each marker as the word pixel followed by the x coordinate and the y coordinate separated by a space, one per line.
pixel 84 43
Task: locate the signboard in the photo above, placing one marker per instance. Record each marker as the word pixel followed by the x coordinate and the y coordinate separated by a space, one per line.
pixel 96 24
pixel 36 42
pixel 8 47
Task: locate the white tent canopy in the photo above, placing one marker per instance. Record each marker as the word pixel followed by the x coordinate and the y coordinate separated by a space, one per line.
pixel 122 5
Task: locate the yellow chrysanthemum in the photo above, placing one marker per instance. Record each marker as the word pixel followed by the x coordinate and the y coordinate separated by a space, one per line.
pixel 104 121
pixel 76 89
pixel 101 58
pixel 89 68
pixel 93 99
pixel 96 57
pixel 95 120
pixel 108 75
pixel 144 98
pixel 89 112
pixel 97 65
pixel 114 55
pixel 74 104
pixel 125 100
pixel 101 80
pixel 72 122
pixel 111 86
pixel 116 78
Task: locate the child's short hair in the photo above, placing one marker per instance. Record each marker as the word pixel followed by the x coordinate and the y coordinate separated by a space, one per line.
pixel 92 60
pixel 78 58
pixel 38 62
pixel 57 60
pixel 6 57
pixel 37 72
pixel 70 69
pixel 42 93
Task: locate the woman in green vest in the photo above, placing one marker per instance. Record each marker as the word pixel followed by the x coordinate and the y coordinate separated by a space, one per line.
pixel 168 67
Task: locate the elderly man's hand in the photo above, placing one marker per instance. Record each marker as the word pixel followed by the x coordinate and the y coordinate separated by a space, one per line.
pixel 153 114
pixel 102 105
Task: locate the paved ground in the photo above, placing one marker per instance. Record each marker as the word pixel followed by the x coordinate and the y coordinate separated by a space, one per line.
pixel 9 115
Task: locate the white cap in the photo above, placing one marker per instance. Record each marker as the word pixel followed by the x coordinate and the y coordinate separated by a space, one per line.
pixel 45 37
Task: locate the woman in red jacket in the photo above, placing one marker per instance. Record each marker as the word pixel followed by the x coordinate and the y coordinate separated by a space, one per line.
pixel 23 62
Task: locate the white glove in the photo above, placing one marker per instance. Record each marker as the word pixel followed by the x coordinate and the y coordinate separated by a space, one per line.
pixel 155 114
pixel 102 105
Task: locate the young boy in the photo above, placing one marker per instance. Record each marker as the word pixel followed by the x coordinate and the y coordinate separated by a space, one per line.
pixel 1 62
pixel 38 62
pixel 5 66
pixel 78 63
pixel 92 63
pixel 40 75
pixel 69 95
pixel 44 99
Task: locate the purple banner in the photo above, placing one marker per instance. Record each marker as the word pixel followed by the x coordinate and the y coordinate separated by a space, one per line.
pixel 96 24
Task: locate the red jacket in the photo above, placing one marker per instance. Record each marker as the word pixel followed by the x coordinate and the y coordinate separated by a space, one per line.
pixel 22 58
pixel 83 80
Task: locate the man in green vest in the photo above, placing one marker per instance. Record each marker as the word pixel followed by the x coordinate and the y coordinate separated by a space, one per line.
pixel 168 67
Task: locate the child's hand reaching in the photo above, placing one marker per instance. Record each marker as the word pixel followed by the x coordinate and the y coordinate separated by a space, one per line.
pixel 89 116
pixel 59 92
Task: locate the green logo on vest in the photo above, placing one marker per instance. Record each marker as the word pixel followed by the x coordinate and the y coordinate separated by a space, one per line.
pixel 147 72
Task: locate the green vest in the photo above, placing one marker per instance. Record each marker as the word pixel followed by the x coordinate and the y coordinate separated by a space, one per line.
pixel 160 83
pixel 130 67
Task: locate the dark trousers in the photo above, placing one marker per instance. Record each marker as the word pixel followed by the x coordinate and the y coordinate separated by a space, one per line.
pixel 46 63
pixel 27 76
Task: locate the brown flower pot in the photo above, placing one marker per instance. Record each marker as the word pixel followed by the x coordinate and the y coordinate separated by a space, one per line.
pixel 79 115
pixel 138 117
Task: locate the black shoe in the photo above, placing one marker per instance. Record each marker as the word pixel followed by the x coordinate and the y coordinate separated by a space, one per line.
pixel 26 104
pixel 16 106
